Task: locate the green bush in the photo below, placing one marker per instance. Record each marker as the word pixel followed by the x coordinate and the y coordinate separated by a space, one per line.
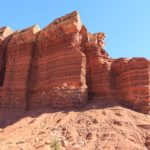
pixel 55 144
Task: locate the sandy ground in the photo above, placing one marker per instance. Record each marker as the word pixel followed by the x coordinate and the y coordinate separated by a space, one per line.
pixel 96 127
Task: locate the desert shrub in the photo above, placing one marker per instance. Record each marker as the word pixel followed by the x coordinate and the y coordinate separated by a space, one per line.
pixel 55 144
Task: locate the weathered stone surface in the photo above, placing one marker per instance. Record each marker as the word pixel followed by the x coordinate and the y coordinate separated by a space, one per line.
pixel 131 82
pixel 4 32
pixel 63 65
pixel 58 75
pixel 98 68
pixel 18 58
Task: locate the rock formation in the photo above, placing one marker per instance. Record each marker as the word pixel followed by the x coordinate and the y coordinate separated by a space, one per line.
pixel 64 66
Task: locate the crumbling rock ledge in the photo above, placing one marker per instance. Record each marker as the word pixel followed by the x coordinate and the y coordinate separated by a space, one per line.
pixel 63 66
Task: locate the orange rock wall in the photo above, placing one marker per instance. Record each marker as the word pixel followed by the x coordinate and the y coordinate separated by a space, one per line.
pixel 63 66
pixel 59 66
pixel 17 63
pixel 131 82
pixel 98 70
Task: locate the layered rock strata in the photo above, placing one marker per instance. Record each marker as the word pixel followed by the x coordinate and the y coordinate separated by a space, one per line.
pixel 131 82
pixel 63 65
pixel 58 73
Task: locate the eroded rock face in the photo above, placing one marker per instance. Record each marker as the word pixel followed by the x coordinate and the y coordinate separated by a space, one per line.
pixel 63 66
pixel 59 65
pixel 17 57
pixel 131 82
pixel 98 70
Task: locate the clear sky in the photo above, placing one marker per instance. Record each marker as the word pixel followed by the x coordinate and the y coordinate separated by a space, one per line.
pixel 125 22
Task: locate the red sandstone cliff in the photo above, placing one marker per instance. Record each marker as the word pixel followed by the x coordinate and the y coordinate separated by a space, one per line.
pixel 63 66
pixel 131 82
pixel 59 65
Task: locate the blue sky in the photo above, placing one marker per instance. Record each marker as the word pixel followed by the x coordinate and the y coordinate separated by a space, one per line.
pixel 125 22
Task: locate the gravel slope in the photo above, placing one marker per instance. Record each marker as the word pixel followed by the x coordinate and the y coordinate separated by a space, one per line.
pixel 96 127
